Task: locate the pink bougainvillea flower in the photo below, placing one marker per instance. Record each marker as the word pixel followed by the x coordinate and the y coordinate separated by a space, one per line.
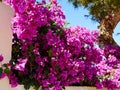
pixel 1 58
pixel 13 80
pixel 21 64
pixel 2 75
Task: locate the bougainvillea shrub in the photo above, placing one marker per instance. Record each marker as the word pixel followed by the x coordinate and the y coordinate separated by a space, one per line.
pixel 108 70
pixel 46 54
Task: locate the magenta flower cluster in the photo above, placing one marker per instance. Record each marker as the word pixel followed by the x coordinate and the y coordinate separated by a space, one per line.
pixel 108 70
pixel 46 54
pixel 29 15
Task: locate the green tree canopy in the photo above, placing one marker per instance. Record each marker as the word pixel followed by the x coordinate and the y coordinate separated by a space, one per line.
pixel 98 8
pixel 106 12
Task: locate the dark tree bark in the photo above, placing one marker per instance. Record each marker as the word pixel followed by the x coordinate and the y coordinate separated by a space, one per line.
pixel 106 28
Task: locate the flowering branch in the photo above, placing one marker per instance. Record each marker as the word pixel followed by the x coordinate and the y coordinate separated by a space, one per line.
pixel 46 54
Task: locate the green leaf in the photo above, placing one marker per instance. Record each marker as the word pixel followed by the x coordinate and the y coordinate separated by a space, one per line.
pixel 4 65
pixel 12 61
pixel 7 71
pixel 1 70
pixel 66 24
pixel 50 53
pixel 36 86
pixel 57 68
pixel 27 86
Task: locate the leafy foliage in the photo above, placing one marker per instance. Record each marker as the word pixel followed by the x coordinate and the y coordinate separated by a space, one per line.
pixel 98 9
pixel 1 71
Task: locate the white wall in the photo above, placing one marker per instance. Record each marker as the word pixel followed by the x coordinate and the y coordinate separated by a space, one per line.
pixel 6 13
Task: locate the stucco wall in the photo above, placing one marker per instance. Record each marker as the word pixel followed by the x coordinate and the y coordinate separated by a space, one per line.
pixel 6 13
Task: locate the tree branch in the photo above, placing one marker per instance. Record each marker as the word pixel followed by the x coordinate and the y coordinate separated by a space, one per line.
pixel 106 28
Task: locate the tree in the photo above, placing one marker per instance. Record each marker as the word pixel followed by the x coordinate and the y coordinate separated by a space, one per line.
pixel 107 13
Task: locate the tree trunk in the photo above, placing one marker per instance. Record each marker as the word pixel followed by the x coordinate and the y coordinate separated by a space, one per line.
pixel 106 28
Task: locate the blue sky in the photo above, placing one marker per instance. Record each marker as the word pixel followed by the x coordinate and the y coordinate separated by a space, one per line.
pixel 75 16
